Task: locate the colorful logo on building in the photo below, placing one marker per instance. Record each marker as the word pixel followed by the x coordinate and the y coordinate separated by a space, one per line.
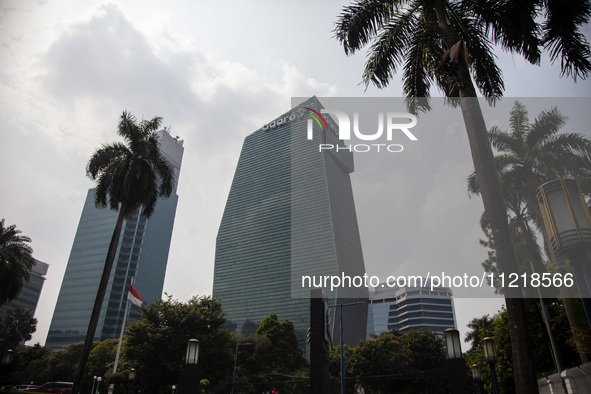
pixel 317 116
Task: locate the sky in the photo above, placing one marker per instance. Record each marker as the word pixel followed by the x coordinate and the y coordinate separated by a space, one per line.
pixel 216 72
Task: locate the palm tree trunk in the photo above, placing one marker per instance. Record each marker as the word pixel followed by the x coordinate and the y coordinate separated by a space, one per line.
pixel 496 213
pixel 495 208
pixel 98 302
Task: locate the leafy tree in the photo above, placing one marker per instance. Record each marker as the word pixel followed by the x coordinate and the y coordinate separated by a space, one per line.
pixel 62 365
pixel 568 344
pixel 39 364
pixel 426 348
pixel 16 261
pixel 156 345
pixel 382 356
pixel 480 328
pixel 16 327
pixel 268 359
pixel 334 364
pixel 492 327
pixel 101 359
pixel 130 177
pixel 443 41
pixel 29 364
pixel 496 327
pixel 284 355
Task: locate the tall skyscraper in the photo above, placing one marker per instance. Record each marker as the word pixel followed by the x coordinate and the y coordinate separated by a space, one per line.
pixel 290 213
pixel 410 308
pixel 142 253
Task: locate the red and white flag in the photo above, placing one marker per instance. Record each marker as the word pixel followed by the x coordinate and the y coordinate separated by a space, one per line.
pixel 134 296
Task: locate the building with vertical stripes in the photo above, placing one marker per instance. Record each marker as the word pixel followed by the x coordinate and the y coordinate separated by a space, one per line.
pixel 142 253
pixel 290 213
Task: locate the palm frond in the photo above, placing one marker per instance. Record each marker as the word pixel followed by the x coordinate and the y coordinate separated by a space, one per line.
pixel 105 155
pixel 420 63
pixel 510 24
pixel 472 183
pixel 501 140
pixel 151 125
pixel 388 51
pixel 547 123
pixel 519 121
pixel 361 21
pixel 566 144
pixel 127 125
pixel 166 176
pixel 563 38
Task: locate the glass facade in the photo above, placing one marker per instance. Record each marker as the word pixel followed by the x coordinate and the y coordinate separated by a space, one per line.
pixel 290 212
pixel 142 253
pixel 410 308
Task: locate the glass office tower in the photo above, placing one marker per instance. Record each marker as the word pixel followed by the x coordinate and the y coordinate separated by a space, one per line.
pixel 142 253
pixel 290 212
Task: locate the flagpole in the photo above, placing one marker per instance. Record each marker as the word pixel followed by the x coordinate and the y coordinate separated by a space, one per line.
pixel 122 329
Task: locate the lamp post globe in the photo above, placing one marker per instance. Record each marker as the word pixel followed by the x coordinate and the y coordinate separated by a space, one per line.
pixel 453 343
pixel 192 355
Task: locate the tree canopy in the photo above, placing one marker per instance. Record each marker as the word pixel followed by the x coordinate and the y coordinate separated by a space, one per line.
pixel 283 355
pixel 156 345
pixel 496 327
pixel 397 359
pixel 133 174
pixel 16 327
pixel 16 261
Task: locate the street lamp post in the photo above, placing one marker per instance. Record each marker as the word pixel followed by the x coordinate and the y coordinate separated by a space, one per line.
pixel 489 350
pixel 477 377
pixel 190 373
pixel 93 383
pixel 236 362
pixel 343 371
pixel 131 378
pixel 98 383
pixel 455 364
pixel 7 357
pixel 568 225
pixel 6 361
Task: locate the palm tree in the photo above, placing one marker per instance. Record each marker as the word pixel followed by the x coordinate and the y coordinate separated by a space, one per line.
pixel 534 153
pixel 442 41
pixel 528 156
pixel 129 178
pixel 16 261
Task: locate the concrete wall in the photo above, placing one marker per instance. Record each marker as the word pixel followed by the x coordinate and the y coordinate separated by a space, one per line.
pixel 571 381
